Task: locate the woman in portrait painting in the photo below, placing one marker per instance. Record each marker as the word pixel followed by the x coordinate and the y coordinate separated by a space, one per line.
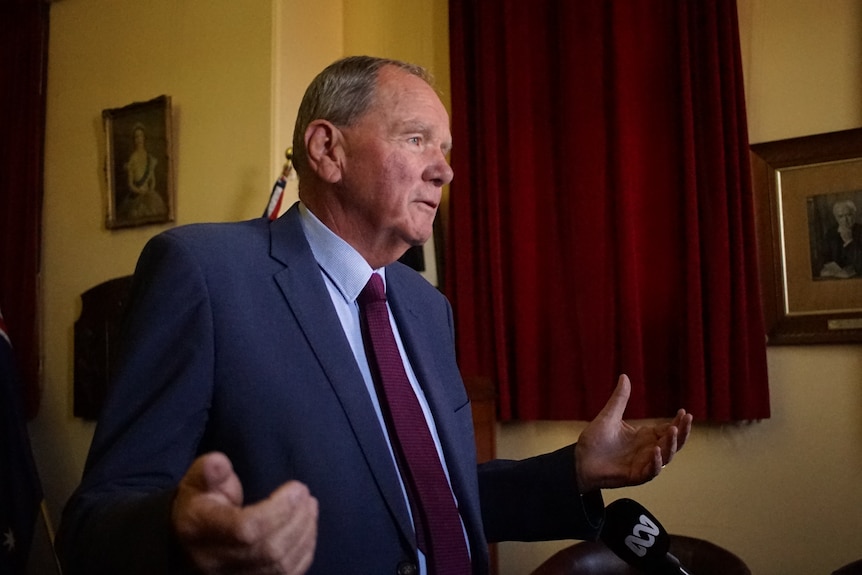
pixel 142 200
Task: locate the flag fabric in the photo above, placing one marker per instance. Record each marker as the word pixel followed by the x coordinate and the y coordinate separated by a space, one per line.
pixel 273 208
pixel 20 488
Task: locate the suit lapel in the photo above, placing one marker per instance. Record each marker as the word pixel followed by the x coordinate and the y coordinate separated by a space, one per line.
pixel 306 295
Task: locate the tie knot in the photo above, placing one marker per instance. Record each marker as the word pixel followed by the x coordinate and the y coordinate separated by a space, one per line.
pixel 373 291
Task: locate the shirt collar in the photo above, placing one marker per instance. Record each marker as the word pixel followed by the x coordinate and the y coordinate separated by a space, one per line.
pixel 341 263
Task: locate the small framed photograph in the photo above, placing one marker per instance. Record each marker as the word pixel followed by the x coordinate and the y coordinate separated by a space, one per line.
pixel 808 193
pixel 427 258
pixel 138 167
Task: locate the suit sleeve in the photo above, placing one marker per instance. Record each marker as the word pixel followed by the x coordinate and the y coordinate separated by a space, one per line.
pixel 118 521
pixel 536 500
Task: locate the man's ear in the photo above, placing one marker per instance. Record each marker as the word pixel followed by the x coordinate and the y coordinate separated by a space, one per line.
pixel 323 141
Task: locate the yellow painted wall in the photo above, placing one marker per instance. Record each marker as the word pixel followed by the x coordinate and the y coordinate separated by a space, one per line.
pixel 308 36
pixel 415 31
pixel 213 58
pixel 236 72
pixel 785 494
pixel 802 61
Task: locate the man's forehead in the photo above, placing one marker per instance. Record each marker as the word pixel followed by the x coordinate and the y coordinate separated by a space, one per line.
pixel 408 95
pixel 394 81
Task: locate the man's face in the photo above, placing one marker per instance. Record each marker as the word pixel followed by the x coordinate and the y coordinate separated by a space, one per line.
pixel 845 217
pixel 395 164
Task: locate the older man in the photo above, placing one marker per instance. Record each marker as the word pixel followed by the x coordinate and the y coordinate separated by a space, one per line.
pixel 255 425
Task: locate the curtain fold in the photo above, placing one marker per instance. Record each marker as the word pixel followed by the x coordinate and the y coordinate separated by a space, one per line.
pixel 23 73
pixel 601 218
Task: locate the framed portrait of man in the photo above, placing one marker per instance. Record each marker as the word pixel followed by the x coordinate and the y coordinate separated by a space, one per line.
pixel 138 165
pixel 836 236
pixel 807 191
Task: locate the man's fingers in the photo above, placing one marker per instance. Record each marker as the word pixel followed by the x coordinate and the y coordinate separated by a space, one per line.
pixel 683 423
pixel 289 508
pixel 209 499
pixel 277 534
pixel 298 537
pixel 669 445
pixel 282 529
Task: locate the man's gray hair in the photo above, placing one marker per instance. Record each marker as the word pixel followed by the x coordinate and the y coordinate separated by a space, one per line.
pixel 340 94
pixel 845 203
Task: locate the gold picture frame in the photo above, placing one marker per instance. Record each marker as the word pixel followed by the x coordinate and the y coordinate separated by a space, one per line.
pixel 811 276
pixel 138 167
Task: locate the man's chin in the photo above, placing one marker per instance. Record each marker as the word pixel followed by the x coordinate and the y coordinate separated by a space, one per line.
pixel 421 234
pixel 419 239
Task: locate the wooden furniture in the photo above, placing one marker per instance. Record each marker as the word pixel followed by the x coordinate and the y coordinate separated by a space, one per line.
pixel 854 568
pixel 96 334
pixel 483 398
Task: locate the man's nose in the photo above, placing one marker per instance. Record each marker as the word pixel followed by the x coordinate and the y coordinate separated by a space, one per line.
pixel 440 172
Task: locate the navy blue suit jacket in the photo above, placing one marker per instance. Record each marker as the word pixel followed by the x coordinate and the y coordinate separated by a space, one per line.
pixel 232 344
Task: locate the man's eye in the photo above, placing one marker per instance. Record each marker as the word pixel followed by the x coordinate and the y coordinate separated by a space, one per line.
pixel 415 140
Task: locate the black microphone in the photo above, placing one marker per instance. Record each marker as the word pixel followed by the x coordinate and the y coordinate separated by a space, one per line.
pixel 637 537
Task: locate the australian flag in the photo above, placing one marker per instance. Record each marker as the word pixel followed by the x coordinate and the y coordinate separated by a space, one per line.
pixel 20 488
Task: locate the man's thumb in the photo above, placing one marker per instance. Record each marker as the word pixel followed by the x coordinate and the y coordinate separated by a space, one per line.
pixel 616 405
pixel 219 477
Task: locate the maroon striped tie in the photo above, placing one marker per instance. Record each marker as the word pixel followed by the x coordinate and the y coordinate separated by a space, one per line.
pixel 435 516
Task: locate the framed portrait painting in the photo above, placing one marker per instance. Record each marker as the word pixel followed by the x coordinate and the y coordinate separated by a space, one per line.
pixel 807 192
pixel 138 166
pixel 426 259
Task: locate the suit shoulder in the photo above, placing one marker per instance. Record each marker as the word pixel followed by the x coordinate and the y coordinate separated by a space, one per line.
pixel 211 245
pixel 412 280
pixel 218 236
pixel 208 231
pixel 414 291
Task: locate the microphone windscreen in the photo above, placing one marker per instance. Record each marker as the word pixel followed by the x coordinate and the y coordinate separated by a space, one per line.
pixel 635 535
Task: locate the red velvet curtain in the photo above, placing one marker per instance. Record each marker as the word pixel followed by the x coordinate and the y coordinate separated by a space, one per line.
pixel 23 63
pixel 601 218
